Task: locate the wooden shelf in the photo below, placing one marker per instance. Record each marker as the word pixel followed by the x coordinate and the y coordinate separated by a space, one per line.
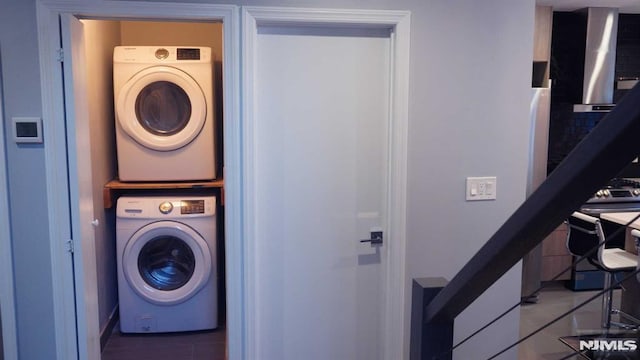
pixel 116 187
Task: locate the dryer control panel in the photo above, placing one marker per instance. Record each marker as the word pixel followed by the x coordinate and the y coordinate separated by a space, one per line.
pixel 162 55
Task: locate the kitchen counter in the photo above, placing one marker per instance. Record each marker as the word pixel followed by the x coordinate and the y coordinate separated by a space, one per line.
pixel 630 219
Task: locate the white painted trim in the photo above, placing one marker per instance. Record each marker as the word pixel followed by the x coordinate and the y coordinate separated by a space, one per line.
pixel 249 29
pixel 399 22
pixel 56 166
pixel 7 300
pixel 396 279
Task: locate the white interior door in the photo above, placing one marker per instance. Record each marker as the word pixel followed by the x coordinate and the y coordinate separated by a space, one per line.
pixel 319 180
pixel 322 113
pixel 80 189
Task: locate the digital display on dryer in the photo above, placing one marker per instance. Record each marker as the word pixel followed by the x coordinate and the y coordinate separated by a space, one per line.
pixel 188 54
pixel 192 207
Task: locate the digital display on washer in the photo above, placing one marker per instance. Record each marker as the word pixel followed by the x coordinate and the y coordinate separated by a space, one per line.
pixel 192 207
pixel 188 54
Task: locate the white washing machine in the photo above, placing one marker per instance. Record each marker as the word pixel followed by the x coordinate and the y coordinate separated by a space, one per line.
pixel 166 259
pixel 164 113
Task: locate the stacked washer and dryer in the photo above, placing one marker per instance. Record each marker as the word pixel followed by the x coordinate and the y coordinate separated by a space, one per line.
pixel 165 244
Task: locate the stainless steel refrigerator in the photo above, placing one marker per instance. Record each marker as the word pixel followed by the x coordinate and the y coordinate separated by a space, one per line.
pixel 539 114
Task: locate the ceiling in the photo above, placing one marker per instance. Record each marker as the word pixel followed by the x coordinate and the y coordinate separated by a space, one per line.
pixel 625 6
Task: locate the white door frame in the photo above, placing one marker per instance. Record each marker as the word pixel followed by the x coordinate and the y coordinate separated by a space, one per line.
pixel 398 22
pixel 58 186
pixel 7 300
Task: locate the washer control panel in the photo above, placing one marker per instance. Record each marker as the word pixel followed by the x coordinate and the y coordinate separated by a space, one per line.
pixel 165 207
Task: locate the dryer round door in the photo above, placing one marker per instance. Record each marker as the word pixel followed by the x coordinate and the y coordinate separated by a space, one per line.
pixel 161 108
pixel 166 262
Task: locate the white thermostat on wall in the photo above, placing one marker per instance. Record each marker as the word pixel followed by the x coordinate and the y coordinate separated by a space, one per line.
pixel 27 130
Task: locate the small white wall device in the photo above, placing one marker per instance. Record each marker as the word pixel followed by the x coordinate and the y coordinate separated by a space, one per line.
pixel 27 130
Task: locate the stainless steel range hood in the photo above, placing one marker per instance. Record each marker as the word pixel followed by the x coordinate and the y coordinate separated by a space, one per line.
pixel 600 60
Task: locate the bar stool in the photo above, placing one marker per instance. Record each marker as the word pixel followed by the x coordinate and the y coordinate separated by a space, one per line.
pixel 585 233
pixel 636 236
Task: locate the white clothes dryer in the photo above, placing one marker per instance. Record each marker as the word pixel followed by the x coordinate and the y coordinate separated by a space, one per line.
pixel 166 261
pixel 163 100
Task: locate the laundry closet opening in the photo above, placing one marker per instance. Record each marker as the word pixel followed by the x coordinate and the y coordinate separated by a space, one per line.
pixel 198 203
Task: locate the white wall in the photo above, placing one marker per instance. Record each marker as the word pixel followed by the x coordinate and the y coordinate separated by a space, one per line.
pixel 470 73
pixel 137 33
pixel 469 105
pixel 26 181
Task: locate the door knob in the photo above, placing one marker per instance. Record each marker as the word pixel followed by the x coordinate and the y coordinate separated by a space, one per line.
pixel 376 238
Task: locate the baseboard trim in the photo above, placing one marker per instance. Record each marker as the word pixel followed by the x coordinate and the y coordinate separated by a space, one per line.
pixel 105 333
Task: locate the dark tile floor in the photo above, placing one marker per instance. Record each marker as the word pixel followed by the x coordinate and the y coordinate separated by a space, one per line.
pixel 197 345
pixel 210 345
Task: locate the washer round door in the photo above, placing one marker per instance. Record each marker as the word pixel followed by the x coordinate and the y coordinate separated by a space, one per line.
pixel 166 262
pixel 161 108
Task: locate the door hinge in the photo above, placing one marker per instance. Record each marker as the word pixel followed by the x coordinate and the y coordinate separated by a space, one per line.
pixel 70 247
pixel 60 55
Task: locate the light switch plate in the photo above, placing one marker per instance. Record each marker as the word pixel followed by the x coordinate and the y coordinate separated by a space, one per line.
pixel 481 188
